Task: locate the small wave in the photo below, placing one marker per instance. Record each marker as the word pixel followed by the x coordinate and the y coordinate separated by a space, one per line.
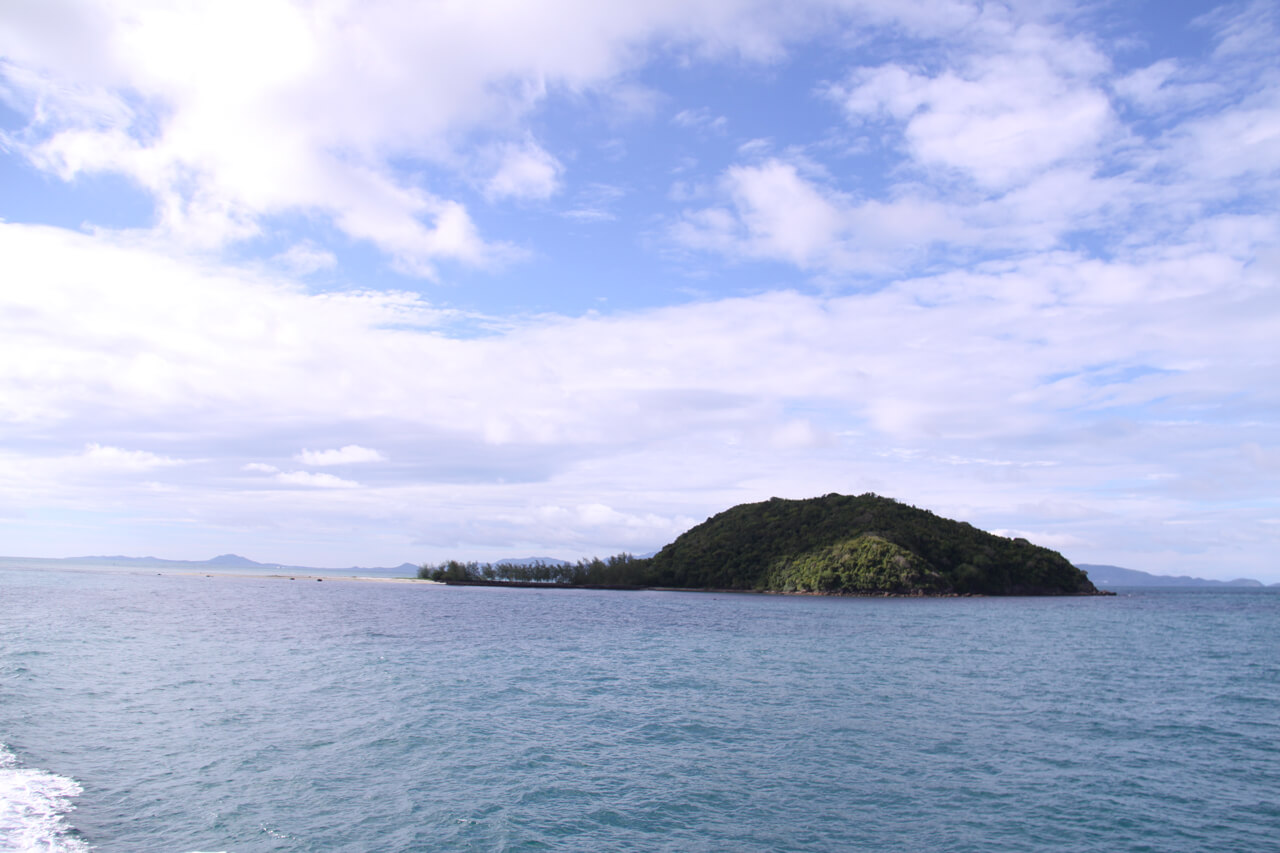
pixel 33 808
pixel 274 833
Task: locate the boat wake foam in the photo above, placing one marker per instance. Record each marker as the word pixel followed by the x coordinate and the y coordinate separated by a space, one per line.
pixel 33 809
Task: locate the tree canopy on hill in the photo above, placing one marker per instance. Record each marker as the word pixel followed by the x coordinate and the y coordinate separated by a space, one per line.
pixel 863 544
pixel 837 544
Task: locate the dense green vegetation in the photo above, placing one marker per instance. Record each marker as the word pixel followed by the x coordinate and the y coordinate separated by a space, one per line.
pixel 845 544
pixel 618 570
pixel 837 544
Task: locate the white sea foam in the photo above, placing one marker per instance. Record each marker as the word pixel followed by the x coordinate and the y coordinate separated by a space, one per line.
pixel 33 808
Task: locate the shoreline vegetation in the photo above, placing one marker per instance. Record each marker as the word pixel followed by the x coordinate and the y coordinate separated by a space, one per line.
pixel 833 545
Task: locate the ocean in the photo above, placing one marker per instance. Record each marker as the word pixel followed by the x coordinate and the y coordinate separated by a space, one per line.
pixel 165 711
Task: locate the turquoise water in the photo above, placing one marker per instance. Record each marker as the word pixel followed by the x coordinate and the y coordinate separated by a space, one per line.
pixel 182 713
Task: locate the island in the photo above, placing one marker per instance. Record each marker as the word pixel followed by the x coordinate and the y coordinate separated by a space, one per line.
pixel 831 545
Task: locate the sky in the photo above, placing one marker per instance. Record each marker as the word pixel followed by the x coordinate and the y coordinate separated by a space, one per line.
pixel 358 283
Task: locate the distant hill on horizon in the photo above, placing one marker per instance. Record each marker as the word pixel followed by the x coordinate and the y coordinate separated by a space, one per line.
pixel 864 544
pixel 227 561
pixel 1104 575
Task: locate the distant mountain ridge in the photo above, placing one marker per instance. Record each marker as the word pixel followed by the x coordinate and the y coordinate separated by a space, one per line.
pixel 1103 575
pixel 229 561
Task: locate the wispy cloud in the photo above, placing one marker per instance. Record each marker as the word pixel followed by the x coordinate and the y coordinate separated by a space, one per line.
pixel 524 171
pixel 943 361
pixel 701 119
pixel 348 455
pixel 595 203
pixel 305 258
pixel 115 458
pixel 312 480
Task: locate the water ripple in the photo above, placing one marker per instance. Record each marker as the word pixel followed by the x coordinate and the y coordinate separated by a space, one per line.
pixel 253 715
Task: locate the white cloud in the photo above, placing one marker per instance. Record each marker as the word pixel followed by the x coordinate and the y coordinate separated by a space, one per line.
pixel 349 455
pixel 589 214
pixel 1119 193
pixel 93 476
pixel 322 104
pixel 700 119
pixel 1246 28
pixel 1047 539
pixel 678 412
pixel 98 456
pixel 524 171
pixel 1241 143
pixel 595 203
pixel 778 213
pixel 999 119
pixel 1009 144
pixel 305 258
pixel 787 215
pixel 317 481
pixel 1148 87
pixel 800 433
pixel 115 333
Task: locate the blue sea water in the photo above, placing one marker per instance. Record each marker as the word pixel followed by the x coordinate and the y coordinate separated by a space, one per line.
pixel 179 712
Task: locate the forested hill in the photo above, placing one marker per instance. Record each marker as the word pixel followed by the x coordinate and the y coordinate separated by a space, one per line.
pixel 864 544
pixel 836 544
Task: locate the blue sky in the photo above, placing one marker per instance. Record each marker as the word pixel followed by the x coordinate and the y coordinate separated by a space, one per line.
pixel 343 283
